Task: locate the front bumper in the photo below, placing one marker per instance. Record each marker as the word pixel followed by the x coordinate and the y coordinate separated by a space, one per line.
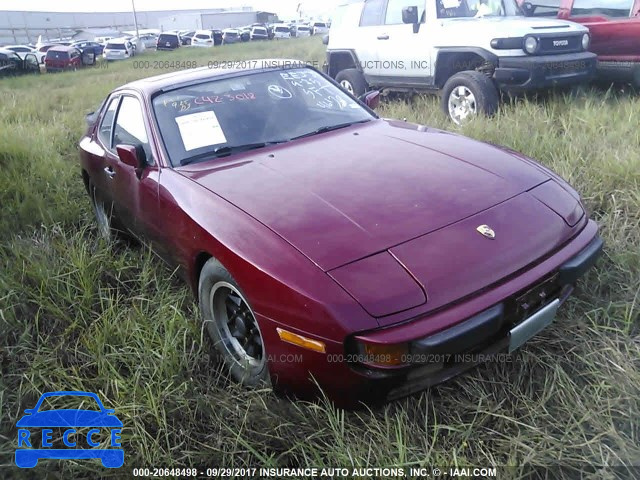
pixel 539 72
pixel 483 337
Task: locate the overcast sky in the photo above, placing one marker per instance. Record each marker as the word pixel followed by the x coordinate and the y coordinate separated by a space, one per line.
pixel 286 9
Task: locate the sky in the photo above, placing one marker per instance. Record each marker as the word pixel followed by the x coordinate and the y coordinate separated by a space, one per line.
pixel 286 9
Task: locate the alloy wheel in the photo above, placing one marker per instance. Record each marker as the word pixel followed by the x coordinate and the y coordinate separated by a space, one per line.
pixel 237 326
pixel 462 104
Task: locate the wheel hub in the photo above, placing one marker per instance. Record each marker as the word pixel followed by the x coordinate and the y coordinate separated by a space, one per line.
pixel 237 326
pixel 462 104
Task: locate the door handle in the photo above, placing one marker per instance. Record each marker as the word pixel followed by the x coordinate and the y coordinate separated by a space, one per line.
pixel 110 172
pixel 383 37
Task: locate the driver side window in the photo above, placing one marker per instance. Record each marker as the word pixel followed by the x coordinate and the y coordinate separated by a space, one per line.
pixel 130 128
pixel 106 125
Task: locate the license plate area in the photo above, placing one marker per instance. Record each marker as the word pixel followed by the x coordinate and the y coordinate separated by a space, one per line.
pixel 533 299
pixel 533 325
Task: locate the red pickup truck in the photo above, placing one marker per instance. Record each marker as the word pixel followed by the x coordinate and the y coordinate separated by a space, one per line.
pixel 614 27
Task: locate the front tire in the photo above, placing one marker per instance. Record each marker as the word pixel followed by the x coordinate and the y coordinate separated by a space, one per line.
pixel 352 81
pixel 467 94
pixel 103 214
pixel 232 325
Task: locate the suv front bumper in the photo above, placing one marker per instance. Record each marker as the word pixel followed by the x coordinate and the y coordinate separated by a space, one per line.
pixel 532 73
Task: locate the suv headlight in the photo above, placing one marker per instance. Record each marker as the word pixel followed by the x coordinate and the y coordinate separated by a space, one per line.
pixel 586 41
pixel 531 45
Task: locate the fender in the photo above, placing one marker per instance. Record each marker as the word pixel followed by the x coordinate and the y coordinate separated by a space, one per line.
pixel 451 60
pixel 338 60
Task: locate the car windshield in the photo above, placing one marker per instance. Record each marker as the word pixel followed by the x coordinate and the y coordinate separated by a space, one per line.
pixel 282 29
pixel 220 117
pixel 477 8
pixel 115 46
pixel 167 38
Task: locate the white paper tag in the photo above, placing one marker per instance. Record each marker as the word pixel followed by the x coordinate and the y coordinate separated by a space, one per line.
pixel 200 130
pixel 450 3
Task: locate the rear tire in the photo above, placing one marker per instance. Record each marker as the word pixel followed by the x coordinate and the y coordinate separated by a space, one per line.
pixel 352 81
pixel 232 325
pixel 467 94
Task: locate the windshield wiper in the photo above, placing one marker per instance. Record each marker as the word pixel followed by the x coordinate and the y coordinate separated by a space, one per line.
pixel 228 150
pixel 330 128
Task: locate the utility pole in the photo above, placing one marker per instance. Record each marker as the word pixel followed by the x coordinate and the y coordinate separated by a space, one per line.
pixel 135 17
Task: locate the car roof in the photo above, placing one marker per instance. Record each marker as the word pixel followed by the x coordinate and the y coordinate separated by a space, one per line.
pixel 62 48
pixel 150 85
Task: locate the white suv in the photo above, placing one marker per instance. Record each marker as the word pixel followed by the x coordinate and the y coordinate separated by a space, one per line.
pixel 203 38
pixel 467 50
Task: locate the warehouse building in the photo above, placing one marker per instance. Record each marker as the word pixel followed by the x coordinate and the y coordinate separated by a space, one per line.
pixel 25 27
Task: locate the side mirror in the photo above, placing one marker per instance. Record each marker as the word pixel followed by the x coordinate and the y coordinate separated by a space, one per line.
pixel 410 15
pixel 371 99
pixel 325 40
pixel 133 156
pixel 528 9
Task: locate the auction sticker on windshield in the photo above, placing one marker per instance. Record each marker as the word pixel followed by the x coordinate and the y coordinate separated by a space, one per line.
pixel 200 130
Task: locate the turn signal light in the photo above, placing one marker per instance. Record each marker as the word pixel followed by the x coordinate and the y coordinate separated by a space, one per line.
pixel 384 355
pixel 299 340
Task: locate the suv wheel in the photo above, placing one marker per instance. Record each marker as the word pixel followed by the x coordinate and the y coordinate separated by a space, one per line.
pixel 352 81
pixel 467 94
pixel 232 325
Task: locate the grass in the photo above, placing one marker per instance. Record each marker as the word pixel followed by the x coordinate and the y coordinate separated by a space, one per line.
pixel 76 315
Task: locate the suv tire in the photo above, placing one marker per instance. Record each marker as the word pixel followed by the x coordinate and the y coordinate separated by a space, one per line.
pixel 352 81
pixel 467 94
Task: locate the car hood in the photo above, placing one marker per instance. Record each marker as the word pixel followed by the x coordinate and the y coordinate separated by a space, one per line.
pixel 457 31
pixel 343 196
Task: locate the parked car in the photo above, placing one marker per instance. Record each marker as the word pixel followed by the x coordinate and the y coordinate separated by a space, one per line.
pixel 465 55
pixel 84 46
pixel 149 40
pixel 103 40
pixel 245 34
pixel 303 31
pixel 217 37
pixel 118 49
pixel 186 37
pixel 62 57
pixel 282 31
pixel 41 51
pixel 203 38
pixel 259 33
pixel 319 28
pixel 614 28
pixel 230 35
pixel 21 50
pixel 168 41
pixel 135 44
pixel 358 263
pixel 12 64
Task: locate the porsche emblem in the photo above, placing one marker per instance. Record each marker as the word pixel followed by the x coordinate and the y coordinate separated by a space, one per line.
pixel 486 231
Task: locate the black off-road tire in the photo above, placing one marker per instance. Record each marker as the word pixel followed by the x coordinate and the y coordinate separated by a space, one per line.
pixel 352 81
pixel 484 91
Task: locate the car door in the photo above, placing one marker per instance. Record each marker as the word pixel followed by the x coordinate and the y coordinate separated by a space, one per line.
pixel 405 56
pixel 369 38
pixel 133 193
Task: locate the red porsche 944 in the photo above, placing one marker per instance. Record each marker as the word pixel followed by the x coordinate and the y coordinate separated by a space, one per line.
pixel 325 245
